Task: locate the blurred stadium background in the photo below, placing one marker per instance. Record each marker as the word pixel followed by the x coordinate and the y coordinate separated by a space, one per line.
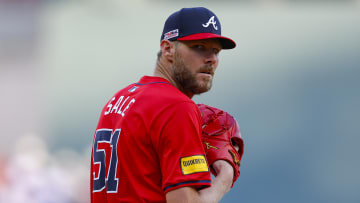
pixel 292 83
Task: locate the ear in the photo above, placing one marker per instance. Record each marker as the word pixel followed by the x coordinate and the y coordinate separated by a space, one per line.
pixel 168 50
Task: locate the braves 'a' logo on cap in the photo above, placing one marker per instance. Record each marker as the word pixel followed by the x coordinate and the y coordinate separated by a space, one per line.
pixel 211 21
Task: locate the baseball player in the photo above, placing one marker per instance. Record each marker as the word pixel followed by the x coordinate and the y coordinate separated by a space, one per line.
pixel 148 144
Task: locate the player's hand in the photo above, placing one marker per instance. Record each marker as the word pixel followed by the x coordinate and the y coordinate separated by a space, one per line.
pixel 236 146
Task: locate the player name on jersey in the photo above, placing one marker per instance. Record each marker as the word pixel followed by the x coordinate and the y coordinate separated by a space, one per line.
pixel 121 105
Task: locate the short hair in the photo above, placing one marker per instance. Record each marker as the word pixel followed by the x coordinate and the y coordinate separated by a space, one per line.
pixel 159 55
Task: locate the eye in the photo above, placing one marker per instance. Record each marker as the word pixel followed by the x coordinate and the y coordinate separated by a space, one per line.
pixel 198 46
pixel 216 50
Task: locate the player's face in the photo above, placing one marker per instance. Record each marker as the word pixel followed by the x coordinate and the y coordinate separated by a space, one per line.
pixel 195 63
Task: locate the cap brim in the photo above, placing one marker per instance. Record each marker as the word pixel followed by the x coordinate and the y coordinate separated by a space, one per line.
pixel 226 43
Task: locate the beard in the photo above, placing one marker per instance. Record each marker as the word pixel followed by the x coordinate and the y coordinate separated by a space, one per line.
pixel 187 80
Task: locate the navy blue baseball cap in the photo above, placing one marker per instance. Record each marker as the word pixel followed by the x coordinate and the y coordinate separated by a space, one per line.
pixel 194 24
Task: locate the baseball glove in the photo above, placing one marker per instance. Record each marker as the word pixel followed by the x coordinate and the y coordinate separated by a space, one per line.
pixel 220 133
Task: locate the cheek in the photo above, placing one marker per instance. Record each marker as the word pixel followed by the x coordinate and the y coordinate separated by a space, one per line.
pixel 192 65
pixel 216 64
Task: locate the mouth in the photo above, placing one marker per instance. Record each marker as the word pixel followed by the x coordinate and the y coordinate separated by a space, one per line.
pixel 207 71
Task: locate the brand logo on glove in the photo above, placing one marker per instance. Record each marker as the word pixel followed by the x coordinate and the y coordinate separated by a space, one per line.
pixel 208 146
pixel 236 160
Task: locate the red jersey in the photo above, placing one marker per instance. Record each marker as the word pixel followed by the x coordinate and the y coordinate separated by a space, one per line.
pixel 146 144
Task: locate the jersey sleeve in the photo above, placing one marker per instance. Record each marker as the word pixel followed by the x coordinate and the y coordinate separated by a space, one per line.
pixel 179 148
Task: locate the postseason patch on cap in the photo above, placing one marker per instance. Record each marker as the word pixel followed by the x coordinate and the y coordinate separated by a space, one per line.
pixel 171 34
pixel 193 164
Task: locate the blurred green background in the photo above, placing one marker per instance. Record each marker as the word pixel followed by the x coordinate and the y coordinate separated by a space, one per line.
pixel 292 83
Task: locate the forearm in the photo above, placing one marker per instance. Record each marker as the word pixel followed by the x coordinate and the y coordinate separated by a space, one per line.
pixel 220 185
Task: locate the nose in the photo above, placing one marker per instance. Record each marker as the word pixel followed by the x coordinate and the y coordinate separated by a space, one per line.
pixel 211 58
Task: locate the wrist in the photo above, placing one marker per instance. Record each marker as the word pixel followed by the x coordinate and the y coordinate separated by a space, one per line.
pixel 224 171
